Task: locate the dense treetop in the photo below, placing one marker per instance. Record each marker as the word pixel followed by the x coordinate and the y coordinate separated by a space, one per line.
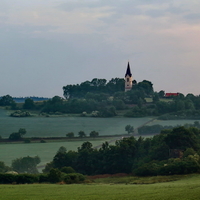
pixel 173 151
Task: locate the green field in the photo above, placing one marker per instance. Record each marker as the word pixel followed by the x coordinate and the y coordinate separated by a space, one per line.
pixel 46 151
pixel 55 127
pixel 180 122
pixel 184 189
pixel 59 126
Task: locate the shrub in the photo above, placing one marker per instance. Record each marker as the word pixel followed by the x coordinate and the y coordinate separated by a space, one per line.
pixel 148 169
pixel 54 176
pixel 74 178
pixel 43 178
pixel 20 113
pixel 7 178
pixel 67 170
pixel 26 178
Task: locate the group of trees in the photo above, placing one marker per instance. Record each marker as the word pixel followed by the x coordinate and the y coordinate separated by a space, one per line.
pixel 107 98
pixel 96 96
pixel 82 134
pixel 131 155
pixel 173 151
pixel 22 165
pixel 94 86
pixel 179 107
pixel 59 105
pixel 157 128
pixel 65 175
pixel 17 135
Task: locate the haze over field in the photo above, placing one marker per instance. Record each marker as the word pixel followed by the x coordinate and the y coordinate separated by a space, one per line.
pixel 45 45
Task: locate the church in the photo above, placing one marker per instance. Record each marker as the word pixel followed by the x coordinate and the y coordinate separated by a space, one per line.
pixel 128 79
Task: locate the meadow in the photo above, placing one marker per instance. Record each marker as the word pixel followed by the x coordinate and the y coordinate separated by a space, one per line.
pixel 58 126
pixel 187 188
pixel 46 151
pixel 180 122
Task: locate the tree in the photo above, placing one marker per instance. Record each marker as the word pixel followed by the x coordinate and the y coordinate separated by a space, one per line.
pixel 147 86
pixel 129 129
pixel 3 167
pixel 22 131
pixel 81 134
pixel 26 164
pixel 29 104
pixel 181 138
pixel 70 135
pixel 94 134
pixel 62 150
pixel 17 135
pixel 6 100
pixel 155 97
pixel 161 93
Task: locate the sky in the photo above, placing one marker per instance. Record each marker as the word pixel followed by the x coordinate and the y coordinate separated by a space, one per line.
pixel 48 44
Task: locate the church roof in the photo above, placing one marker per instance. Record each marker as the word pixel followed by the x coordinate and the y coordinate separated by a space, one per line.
pixel 128 71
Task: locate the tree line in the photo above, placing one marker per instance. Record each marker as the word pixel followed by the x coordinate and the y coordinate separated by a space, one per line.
pixel 99 98
pixel 174 151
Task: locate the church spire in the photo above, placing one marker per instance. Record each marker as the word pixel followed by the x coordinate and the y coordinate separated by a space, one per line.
pixel 128 71
pixel 128 79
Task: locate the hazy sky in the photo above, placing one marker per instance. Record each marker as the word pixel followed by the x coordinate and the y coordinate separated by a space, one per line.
pixel 47 44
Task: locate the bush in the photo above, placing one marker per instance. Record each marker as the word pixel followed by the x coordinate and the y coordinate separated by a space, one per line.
pixel 7 178
pixel 67 170
pixel 74 178
pixel 26 178
pixel 148 169
pixel 43 178
pixel 20 113
pixel 54 176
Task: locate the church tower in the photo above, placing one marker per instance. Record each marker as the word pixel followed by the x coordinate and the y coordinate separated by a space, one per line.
pixel 128 79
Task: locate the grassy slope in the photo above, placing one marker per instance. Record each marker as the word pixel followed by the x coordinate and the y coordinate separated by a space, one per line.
pixel 185 189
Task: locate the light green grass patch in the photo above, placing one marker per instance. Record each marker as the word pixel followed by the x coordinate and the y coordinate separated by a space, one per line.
pixel 46 151
pixel 184 189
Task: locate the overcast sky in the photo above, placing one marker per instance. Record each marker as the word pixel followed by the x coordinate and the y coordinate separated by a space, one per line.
pixel 47 44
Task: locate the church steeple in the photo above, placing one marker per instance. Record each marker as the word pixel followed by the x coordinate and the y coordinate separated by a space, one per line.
pixel 128 78
pixel 128 71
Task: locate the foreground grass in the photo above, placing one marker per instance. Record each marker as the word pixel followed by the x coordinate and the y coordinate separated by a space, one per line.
pixel 187 188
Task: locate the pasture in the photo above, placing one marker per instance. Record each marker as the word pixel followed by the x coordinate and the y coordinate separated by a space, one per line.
pixel 185 189
pixel 59 126
pixel 56 127
pixel 180 122
pixel 46 151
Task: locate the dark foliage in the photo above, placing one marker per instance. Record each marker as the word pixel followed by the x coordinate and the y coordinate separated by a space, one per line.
pixel 142 156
